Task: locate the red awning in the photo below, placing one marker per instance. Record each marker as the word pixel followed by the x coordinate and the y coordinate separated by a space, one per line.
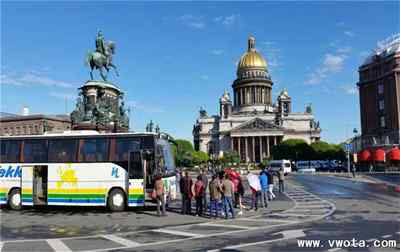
pixel 394 154
pixel 365 156
pixel 379 155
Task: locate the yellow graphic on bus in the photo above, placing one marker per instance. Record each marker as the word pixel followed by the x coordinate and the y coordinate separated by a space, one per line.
pixel 67 176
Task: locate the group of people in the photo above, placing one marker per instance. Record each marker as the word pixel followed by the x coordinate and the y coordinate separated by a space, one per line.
pixel 227 188
pixel 262 186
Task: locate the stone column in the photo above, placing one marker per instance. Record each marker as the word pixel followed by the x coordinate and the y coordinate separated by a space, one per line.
pixel 246 149
pixel 261 148
pixel 267 146
pixel 254 148
pixel 274 140
pixel 232 144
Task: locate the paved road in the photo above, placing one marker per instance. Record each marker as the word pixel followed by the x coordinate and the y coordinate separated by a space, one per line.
pixel 392 179
pixel 323 208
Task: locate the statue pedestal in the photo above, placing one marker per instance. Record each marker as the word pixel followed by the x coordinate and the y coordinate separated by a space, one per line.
pixel 100 107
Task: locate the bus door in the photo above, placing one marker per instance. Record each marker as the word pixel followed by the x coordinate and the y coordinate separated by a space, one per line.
pixel 34 185
pixel 39 185
pixel 136 185
pixel 27 185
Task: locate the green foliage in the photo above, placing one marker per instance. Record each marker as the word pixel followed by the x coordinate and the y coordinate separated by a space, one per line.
pixel 199 157
pixel 298 149
pixel 186 156
pixel 230 157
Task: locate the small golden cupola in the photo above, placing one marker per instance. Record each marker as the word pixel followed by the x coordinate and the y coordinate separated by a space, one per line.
pixel 252 58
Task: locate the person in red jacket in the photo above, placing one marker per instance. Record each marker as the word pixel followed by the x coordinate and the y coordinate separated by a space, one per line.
pixel 185 188
pixel 199 194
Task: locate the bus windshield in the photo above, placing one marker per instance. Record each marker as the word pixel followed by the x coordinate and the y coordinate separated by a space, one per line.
pixel 165 161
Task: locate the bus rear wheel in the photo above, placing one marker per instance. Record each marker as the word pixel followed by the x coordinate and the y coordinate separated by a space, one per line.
pixel 14 199
pixel 116 200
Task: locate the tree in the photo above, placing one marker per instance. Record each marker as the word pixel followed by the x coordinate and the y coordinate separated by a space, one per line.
pixel 292 149
pixel 230 157
pixel 199 157
pixel 183 152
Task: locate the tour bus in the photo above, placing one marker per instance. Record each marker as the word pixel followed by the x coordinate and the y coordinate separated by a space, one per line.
pixel 304 166
pixel 84 168
pixel 276 165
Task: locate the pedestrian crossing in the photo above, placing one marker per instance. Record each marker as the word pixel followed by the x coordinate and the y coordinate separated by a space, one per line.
pixel 307 207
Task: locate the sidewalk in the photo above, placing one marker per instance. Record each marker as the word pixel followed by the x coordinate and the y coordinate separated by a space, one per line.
pixel 279 204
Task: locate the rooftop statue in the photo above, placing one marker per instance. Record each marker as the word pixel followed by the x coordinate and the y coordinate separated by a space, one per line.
pixel 101 58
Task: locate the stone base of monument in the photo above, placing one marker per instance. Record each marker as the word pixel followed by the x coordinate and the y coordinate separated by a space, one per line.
pixel 99 128
pixel 100 106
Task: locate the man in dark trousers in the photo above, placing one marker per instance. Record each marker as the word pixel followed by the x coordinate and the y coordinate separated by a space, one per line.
pixel 204 179
pixel 281 177
pixel 185 185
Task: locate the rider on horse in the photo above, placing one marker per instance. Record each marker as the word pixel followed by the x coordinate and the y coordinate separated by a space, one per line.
pixel 102 57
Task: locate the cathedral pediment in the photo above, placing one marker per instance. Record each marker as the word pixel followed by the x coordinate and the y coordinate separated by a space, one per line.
pixel 257 124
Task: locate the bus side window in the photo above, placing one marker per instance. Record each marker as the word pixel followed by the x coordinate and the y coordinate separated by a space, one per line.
pixel 94 150
pixel 10 151
pixel 35 151
pixel 62 150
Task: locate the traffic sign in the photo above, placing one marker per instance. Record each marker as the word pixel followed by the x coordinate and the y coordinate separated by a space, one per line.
pixel 348 147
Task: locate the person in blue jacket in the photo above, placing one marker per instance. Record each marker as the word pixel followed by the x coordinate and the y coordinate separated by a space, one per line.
pixel 264 188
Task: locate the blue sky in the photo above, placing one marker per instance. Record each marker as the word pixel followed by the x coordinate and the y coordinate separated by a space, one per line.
pixel 175 57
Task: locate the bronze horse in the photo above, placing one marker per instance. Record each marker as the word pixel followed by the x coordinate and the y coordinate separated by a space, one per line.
pixel 97 60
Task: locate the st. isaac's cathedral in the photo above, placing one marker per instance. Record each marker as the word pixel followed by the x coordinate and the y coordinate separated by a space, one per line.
pixel 252 123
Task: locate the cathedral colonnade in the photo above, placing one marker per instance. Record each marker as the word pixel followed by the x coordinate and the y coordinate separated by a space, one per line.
pixel 254 148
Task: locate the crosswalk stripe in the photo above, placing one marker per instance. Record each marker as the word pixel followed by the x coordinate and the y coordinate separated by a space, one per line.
pixel 58 245
pixel 176 232
pixel 123 241
pixel 224 225
pixel 267 219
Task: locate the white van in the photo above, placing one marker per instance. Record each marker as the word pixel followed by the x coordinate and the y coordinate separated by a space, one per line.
pixel 276 165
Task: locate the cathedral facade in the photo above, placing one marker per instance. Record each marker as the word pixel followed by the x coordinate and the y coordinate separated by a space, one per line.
pixel 251 123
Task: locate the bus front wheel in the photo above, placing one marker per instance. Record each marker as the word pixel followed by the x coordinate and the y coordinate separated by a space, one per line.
pixel 14 199
pixel 116 200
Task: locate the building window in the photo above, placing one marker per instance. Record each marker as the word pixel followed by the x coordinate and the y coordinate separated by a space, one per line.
pixel 381 105
pixel 380 88
pixel 382 121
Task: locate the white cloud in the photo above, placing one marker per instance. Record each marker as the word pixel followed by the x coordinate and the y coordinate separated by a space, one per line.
pixel 151 109
pixel 340 24
pixel 217 51
pixel 33 78
pixel 63 96
pixel 349 33
pixel 44 81
pixel 345 49
pixel 7 80
pixel 332 64
pixel 272 53
pixel 192 21
pixel 227 20
pixel 349 89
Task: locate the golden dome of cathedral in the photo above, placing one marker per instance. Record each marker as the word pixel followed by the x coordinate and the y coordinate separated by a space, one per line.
pixel 252 59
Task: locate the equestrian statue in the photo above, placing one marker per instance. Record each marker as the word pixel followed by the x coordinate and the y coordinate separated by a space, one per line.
pixel 101 58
